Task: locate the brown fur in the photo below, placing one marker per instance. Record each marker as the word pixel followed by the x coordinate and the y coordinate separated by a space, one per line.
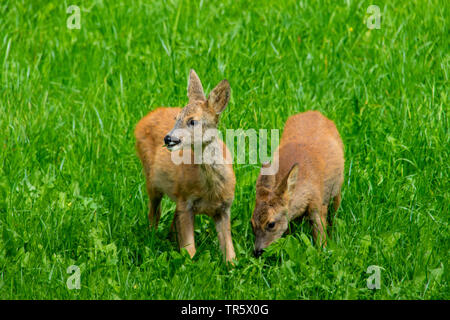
pixel 311 166
pixel 196 188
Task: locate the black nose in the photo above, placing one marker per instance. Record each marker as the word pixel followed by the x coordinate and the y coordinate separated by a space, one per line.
pixel 171 141
pixel 258 252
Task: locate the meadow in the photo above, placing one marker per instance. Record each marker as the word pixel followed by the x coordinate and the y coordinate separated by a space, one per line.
pixel 72 190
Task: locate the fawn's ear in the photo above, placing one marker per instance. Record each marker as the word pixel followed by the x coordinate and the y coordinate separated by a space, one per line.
pixel 219 97
pixel 195 89
pixel 265 182
pixel 289 182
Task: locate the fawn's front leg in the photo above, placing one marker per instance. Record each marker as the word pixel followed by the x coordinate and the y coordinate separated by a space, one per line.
pixel 184 221
pixel 222 220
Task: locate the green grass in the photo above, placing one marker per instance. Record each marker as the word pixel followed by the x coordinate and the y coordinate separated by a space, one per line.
pixel 72 190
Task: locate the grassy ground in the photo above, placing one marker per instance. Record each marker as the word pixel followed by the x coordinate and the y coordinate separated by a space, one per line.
pixel 71 186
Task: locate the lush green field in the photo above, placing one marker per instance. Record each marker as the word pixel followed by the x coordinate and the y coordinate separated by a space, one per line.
pixel 72 190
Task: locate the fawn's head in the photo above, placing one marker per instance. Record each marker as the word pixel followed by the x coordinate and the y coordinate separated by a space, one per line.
pixel 270 217
pixel 199 115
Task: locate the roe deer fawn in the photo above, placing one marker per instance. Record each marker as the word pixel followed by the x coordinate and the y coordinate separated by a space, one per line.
pixel 311 166
pixel 206 188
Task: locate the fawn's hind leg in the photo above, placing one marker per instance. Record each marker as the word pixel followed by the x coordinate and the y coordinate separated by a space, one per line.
pixel 154 212
pixel 172 230
pixel 336 204
pixel 318 216
pixel 337 201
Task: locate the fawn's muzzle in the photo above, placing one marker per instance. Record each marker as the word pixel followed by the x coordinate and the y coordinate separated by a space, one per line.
pixel 258 252
pixel 171 141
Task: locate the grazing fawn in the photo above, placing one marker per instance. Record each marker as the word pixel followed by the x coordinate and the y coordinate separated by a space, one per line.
pixel 197 188
pixel 311 171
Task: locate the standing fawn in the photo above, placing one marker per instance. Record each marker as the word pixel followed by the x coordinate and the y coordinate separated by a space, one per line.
pixel 311 165
pixel 197 188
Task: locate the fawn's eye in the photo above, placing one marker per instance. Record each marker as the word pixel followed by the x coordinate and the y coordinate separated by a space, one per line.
pixel 192 122
pixel 270 225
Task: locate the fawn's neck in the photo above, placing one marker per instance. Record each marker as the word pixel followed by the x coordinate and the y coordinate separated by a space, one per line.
pixel 213 167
